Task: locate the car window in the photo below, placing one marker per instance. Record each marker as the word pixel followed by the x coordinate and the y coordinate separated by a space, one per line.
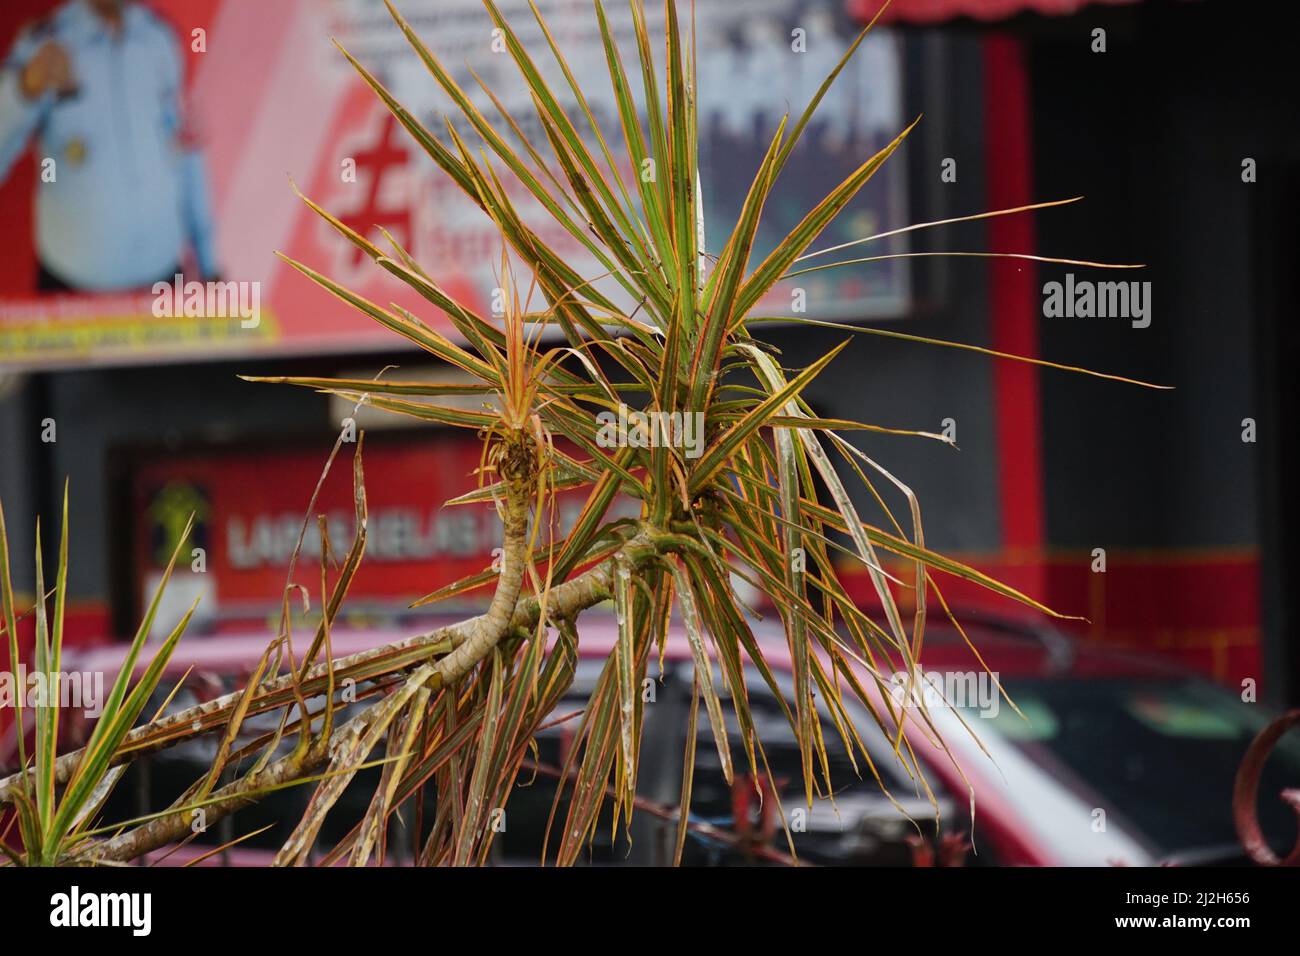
pixel 1161 756
pixel 855 824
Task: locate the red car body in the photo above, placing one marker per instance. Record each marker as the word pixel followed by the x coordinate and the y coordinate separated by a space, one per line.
pixel 1025 811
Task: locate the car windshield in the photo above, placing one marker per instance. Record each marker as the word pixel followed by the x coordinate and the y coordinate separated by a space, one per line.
pixel 1161 756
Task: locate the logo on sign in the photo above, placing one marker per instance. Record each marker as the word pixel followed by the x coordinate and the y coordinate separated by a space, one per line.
pixel 170 507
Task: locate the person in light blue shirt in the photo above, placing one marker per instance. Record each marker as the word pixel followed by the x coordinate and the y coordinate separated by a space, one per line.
pixel 99 84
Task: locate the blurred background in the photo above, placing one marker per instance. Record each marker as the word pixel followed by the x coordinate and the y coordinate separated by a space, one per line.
pixel 159 148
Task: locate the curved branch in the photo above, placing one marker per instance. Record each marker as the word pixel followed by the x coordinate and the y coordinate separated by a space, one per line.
pixel 576 594
pixel 490 629
pixel 1245 794
pixel 565 601
pixel 495 624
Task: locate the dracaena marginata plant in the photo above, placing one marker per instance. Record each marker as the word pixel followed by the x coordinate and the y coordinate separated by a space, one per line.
pixel 457 709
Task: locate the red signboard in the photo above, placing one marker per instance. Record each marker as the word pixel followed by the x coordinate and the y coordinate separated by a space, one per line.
pixel 249 505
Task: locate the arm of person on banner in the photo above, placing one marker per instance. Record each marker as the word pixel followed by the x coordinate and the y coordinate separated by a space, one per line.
pixel 34 74
pixel 195 194
pixel 198 212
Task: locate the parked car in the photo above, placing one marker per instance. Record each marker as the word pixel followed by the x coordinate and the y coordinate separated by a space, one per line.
pixel 1107 758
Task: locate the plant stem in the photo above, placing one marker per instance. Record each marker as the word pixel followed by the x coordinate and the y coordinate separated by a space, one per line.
pixel 472 639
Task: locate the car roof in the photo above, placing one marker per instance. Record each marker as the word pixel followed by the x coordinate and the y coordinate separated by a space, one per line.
pixel 1050 654
pixel 1013 648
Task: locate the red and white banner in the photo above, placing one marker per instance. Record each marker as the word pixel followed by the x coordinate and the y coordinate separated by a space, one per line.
pixel 122 175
